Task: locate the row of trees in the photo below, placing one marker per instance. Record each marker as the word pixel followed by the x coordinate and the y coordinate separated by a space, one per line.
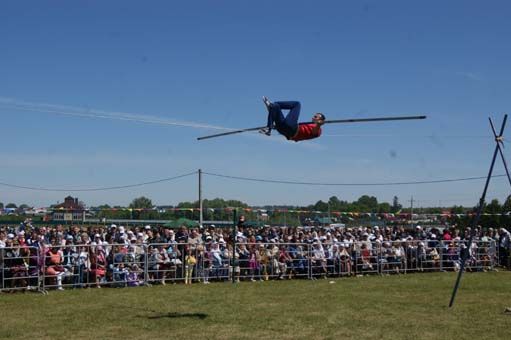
pixel 215 210
pixel 364 204
pixel 13 206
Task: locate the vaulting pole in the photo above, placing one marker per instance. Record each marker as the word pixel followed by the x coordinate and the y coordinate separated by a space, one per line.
pixel 331 121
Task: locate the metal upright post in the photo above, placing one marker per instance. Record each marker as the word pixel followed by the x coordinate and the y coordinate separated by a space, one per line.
pixel 200 198
pixel 234 233
pixel 411 210
pixel 146 265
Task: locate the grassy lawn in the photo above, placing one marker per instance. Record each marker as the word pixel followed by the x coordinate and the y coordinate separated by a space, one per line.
pixel 394 307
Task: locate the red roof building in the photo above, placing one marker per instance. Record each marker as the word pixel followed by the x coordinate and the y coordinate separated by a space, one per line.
pixel 70 210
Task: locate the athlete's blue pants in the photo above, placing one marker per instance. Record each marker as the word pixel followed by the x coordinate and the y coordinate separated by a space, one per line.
pixel 288 125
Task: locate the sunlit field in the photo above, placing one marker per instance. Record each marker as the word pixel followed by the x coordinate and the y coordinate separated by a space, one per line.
pixel 389 307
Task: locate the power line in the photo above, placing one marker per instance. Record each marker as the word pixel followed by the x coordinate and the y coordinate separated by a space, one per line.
pixel 348 184
pixel 98 189
pixel 252 179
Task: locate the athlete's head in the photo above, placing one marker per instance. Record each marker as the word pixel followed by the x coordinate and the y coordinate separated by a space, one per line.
pixel 318 117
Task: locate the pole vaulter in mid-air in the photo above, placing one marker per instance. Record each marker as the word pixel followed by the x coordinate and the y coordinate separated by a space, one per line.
pixel 289 127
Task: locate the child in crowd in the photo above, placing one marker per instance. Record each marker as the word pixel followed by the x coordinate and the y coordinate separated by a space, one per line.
pixel 253 263
pixel 190 262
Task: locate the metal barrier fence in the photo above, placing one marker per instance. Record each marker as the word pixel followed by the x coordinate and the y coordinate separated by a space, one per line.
pixel 126 265
pixel 19 268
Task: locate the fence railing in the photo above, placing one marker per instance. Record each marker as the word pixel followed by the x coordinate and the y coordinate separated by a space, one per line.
pixel 124 265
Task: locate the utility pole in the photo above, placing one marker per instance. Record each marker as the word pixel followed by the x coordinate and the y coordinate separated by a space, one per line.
pixel 200 198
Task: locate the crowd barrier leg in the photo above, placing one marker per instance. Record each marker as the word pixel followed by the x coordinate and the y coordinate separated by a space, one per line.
pixel 309 262
pixel 441 253
pixel 492 257
pixel 379 264
pixel 146 267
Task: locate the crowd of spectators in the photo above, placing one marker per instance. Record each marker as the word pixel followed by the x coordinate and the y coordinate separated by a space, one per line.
pixel 96 256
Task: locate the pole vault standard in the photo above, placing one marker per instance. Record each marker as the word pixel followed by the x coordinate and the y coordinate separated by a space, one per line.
pixel 334 121
pixel 465 253
pixel 500 140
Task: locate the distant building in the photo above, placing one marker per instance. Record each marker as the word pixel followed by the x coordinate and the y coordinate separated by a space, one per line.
pixel 8 211
pixel 70 210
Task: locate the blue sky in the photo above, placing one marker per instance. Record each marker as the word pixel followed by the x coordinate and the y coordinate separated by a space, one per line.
pixel 209 63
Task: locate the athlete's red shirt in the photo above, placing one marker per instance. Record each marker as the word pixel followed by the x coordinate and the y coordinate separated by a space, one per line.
pixel 306 131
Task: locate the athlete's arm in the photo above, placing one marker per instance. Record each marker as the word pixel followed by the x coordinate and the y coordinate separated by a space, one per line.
pixel 318 123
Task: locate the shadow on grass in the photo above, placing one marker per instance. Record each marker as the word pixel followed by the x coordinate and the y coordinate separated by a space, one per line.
pixel 174 315
pixel 170 315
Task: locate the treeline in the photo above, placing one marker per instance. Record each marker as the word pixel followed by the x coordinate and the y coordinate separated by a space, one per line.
pixel 364 204
pixel 212 210
pixel 216 210
pixel 142 208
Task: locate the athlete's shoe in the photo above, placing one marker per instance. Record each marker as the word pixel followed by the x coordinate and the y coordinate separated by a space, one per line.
pixel 267 102
pixel 266 131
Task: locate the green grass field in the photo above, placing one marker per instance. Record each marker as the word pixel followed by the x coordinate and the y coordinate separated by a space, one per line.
pixel 373 307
